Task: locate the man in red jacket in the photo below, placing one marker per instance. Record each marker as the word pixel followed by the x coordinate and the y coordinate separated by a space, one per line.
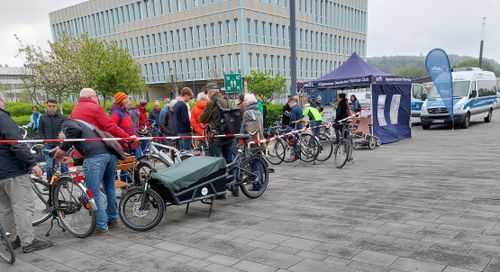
pixel 143 116
pixel 99 167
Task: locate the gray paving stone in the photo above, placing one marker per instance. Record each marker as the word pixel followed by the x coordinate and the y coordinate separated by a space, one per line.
pixel 253 267
pixel 316 266
pixel 375 258
pixel 300 243
pixel 220 268
pixel 223 260
pixel 451 259
pixel 410 265
pixel 273 258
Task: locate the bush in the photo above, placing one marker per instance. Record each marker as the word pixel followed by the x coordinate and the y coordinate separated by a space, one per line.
pixel 20 109
pixel 21 120
pixel 274 113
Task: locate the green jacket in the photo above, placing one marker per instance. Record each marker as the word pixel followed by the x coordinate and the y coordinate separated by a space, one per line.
pixel 211 114
pixel 312 113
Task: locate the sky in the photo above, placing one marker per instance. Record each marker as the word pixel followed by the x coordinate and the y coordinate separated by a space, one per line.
pixel 395 27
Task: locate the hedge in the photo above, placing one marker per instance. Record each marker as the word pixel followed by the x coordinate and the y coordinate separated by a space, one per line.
pixel 21 112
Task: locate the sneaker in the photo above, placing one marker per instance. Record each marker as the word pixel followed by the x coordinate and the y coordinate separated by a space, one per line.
pixel 221 197
pixel 16 243
pixel 236 192
pixel 100 232
pixel 113 224
pixel 37 244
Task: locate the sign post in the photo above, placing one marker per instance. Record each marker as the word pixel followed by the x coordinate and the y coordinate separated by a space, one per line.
pixel 233 83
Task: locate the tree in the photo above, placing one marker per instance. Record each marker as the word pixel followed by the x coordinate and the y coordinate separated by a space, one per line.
pixel 53 71
pixel 265 85
pixel 108 68
pixel 73 63
pixel 412 72
pixel 486 65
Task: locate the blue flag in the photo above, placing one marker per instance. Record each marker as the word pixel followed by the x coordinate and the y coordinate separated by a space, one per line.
pixel 438 67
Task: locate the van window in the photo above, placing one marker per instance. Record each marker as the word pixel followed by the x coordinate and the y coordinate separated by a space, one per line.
pixel 486 87
pixel 417 91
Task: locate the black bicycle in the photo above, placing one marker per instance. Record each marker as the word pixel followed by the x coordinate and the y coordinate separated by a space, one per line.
pixel 6 250
pixel 194 179
pixel 343 150
pixel 66 200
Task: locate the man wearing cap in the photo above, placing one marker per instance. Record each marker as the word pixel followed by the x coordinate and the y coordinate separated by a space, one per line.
pixel 121 116
pixel 212 115
pixel 16 195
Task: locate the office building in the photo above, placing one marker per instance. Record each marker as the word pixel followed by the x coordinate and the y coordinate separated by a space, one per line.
pixel 193 41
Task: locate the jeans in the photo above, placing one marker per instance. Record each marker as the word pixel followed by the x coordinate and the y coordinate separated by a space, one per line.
pixel 224 148
pixel 315 127
pixel 50 162
pixel 185 143
pixel 102 167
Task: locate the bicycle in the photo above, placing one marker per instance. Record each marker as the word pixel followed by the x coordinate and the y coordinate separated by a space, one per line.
pixel 158 158
pixel 276 147
pixel 302 145
pixel 66 200
pixel 142 208
pixel 343 150
pixel 6 250
pixel 325 144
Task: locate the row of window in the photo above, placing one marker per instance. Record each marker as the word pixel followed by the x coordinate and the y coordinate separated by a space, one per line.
pixel 105 22
pixel 218 65
pixel 224 33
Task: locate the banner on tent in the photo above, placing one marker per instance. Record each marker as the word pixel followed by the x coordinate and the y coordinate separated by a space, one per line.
pixel 392 112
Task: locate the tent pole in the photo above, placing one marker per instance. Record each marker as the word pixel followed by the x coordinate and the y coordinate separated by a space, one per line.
pixel 372 109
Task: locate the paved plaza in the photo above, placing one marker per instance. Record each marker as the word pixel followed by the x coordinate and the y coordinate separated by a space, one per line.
pixel 431 203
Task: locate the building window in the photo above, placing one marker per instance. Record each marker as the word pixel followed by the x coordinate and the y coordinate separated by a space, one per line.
pixel 236 30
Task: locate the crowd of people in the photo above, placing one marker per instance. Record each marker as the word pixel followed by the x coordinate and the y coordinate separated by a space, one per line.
pixel 99 161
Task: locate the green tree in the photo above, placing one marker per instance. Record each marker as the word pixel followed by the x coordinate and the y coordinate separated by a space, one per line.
pixel 76 62
pixel 412 72
pixel 53 71
pixel 486 65
pixel 265 85
pixel 108 68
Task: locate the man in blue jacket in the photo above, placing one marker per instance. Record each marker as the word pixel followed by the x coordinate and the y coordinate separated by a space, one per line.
pixel 295 121
pixel 182 118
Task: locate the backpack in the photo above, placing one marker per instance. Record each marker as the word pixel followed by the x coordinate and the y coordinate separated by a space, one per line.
pixel 230 121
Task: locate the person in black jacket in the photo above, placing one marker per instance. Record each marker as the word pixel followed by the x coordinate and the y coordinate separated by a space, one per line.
pixel 342 112
pixel 49 128
pixel 16 195
pixel 99 166
pixel 182 118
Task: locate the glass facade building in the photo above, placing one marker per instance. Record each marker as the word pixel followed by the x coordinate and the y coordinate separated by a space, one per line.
pixel 199 40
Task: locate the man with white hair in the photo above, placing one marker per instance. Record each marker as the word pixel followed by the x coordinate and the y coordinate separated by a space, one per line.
pixel 16 196
pixel 99 164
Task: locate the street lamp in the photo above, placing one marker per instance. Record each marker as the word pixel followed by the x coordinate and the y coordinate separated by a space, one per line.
pixel 173 83
pixel 483 30
pixel 293 49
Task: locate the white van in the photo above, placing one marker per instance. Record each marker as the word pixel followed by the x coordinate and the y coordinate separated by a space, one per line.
pixel 418 96
pixel 474 98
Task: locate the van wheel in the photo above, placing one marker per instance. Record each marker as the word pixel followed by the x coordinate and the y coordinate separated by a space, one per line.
pixel 466 122
pixel 426 126
pixel 487 119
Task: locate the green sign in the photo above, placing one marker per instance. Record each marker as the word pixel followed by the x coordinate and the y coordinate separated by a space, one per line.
pixel 233 83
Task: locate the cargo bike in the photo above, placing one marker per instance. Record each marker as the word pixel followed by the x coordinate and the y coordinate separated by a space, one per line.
pixel 192 180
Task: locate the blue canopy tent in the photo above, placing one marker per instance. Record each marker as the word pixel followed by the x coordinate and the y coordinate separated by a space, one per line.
pixel 391 96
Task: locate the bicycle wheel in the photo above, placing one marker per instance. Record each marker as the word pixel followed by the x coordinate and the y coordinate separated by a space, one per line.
pixel 6 250
pixel 142 171
pixel 341 154
pixel 41 191
pixel 137 218
pixel 309 147
pixel 289 153
pixel 154 161
pixel 275 152
pixel 255 177
pixel 73 209
pixel 325 147
pixel 372 142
